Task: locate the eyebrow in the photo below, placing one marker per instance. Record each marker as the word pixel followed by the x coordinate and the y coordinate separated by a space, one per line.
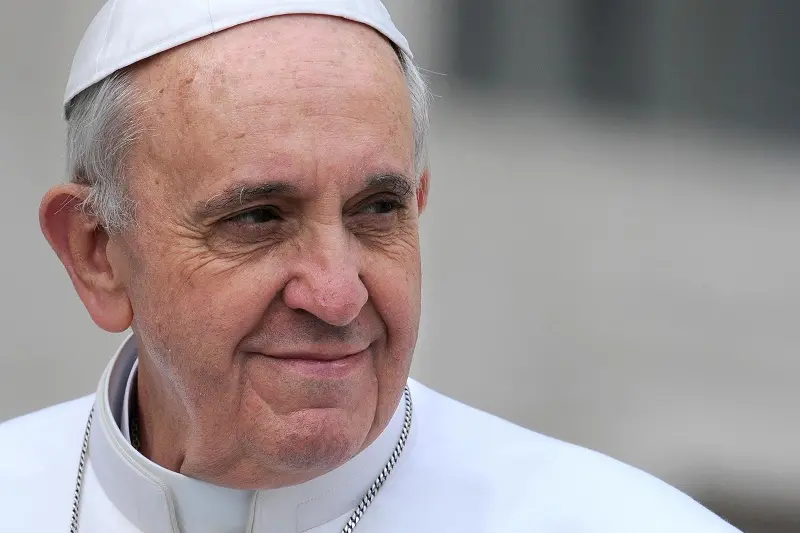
pixel 396 183
pixel 237 195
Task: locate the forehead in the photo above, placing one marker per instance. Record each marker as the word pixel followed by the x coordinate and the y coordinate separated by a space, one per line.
pixel 281 95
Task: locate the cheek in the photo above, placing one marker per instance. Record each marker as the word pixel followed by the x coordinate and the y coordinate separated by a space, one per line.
pixel 395 290
pixel 203 307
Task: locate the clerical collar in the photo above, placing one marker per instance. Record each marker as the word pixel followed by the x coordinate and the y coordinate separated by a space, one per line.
pixel 128 401
pixel 157 500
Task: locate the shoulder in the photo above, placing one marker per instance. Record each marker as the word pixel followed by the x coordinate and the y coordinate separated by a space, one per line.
pixel 42 432
pixel 553 485
pixel 40 459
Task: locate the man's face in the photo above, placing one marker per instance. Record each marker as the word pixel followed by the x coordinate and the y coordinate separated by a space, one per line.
pixel 276 231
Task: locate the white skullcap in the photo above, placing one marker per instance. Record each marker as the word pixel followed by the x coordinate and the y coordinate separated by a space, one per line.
pixel 125 32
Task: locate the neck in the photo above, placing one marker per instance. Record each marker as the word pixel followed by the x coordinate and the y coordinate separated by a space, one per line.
pixel 163 431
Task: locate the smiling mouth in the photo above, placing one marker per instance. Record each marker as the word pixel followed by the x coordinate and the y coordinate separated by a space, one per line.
pixel 323 365
pixel 318 357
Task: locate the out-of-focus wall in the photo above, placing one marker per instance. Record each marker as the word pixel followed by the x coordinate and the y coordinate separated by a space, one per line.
pixel 633 291
pixel 625 286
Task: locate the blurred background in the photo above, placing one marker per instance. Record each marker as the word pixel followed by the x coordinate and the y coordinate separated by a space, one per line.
pixel 610 249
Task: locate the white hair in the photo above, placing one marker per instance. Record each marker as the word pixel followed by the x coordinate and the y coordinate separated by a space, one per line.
pixel 102 126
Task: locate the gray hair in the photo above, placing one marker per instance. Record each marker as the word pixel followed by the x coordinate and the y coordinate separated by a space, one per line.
pixel 102 126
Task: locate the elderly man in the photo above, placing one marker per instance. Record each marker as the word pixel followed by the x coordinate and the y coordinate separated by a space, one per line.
pixel 246 182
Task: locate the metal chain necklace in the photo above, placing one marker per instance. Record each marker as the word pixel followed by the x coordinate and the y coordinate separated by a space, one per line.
pixel 351 522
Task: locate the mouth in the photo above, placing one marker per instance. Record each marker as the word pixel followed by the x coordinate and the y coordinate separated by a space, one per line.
pixel 321 356
pixel 322 365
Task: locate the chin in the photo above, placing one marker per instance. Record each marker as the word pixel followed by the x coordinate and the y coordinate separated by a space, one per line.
pixel 320 440
pixel 306 439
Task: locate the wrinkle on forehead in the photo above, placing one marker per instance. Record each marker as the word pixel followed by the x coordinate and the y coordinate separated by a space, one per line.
pixel 298 51
pixel 215 85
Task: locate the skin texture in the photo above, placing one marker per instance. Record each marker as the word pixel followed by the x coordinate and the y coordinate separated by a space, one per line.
pixel 276 225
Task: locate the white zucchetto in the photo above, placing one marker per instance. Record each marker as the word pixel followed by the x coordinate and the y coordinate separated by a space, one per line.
pixel 125 32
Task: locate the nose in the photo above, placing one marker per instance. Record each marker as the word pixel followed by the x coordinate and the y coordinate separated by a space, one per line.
pixel 327 281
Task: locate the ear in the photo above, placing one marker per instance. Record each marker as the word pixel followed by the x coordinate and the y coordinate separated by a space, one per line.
pixel 83 246
pixel 422 190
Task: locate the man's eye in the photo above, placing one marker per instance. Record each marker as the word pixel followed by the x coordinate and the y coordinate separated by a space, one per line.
pixel 382 207
pixel 259 215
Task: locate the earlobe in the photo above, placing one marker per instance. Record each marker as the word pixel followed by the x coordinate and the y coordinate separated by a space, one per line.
pixel 82 245
pixel 422 191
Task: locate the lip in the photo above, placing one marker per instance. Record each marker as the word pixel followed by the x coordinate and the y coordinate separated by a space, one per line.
pixel 320 357
pixel 322 365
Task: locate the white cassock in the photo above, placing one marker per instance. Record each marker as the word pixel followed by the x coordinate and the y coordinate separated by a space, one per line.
pixel 461 471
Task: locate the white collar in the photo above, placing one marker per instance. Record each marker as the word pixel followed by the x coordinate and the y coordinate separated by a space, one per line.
pixel 130 388
pixel 157 500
